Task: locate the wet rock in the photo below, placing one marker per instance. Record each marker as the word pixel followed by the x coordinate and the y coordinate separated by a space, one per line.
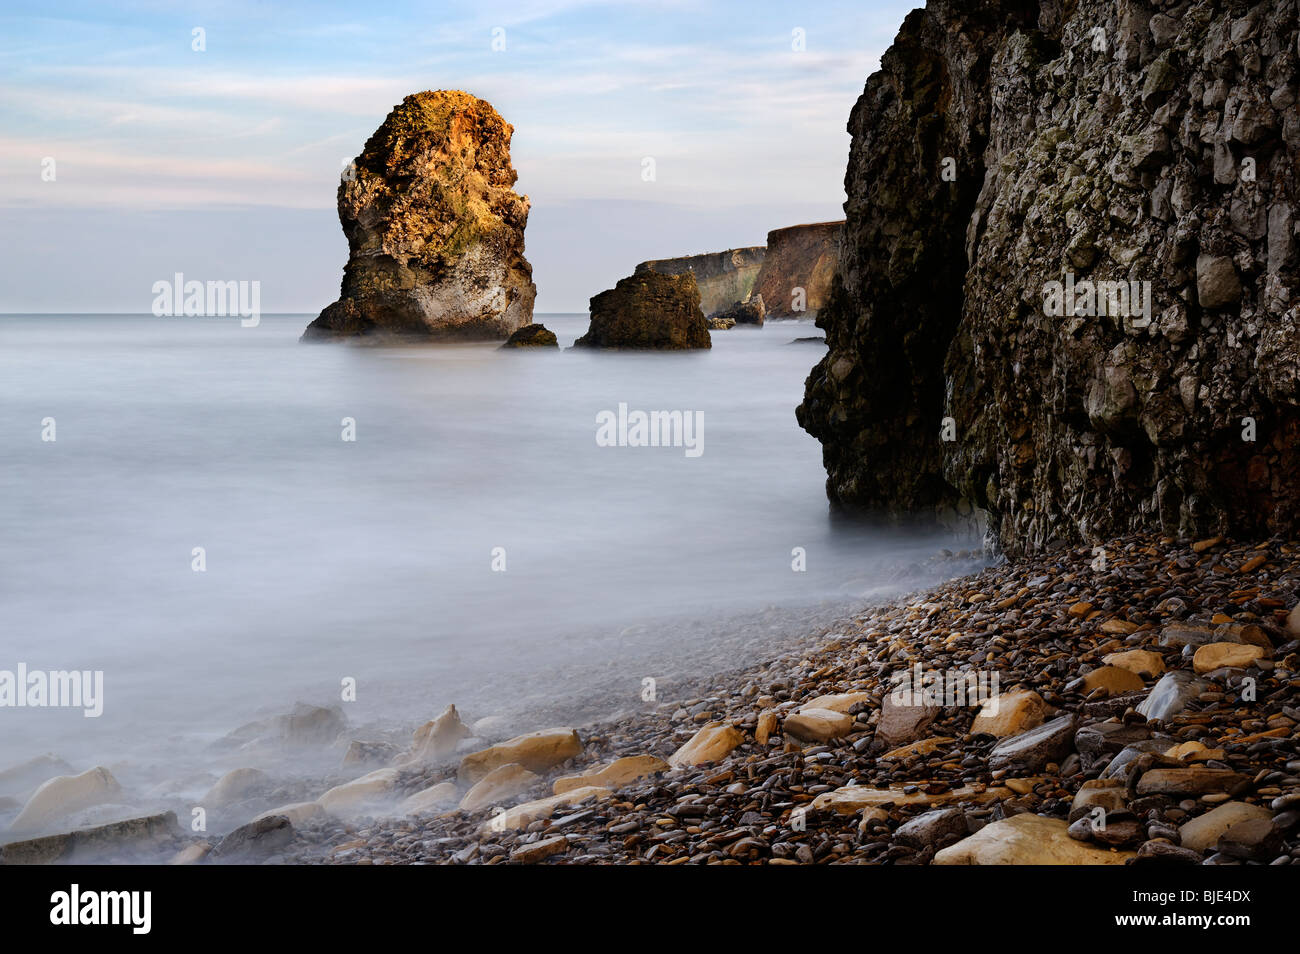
pixel 499 785
pixel 540 850
pixel 1027 840
pixel 903 722
pixel 1214 656
pixel 523 815
pixel 61 796
pixel 615 775
pixel 1252 840
pixel 535 751
pixel 255 841
pixel 437 739
pixel 1171 695
pixel 817 725
pixel 1010 713
pixel 1191 781
pixel 936 829
pixel 436 798
pixel 92 845
pixel 298 813
pixel 1030 751
pixel 236 785
pixel 359 794
pixel 532 336
pixel 710 744
pixel 1202 833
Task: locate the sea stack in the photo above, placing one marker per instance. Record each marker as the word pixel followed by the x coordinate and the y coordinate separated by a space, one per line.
pixel 435 229
pixel 648 311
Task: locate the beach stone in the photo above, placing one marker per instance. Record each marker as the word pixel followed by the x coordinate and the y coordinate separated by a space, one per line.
pixel 1118 627
pixel 1193 751
pixel 1255 839
pixel 1191 781
pixel 710 744
pixel 535 751
pixel 1027 840
pixel 499 785
pixel 191 854
pixel 436 798
pixel 615 775
pixel 297 812
pixel 838 702
pixel 938 828
pixel 920 747
pixel 438 738
pixel 817 725
pixel 1030 751
pixel 1170 695
pixel 766 725
pixel 540 850
pixel 1214 656
pixel 65 794
pixel 1164 853
pixel 1178 635
pixel 25 776
pixel 1202 832
pixel 1010 713
pixel 851 799
pixel 1143 662
pixel 1113 679
pixel 360 793
pixel 311 725
pixel 369 753
pixel 257 839
pixel 1106 794
pixel 900 723
pixel 1293 622
pixel 235 785
pixel 521 816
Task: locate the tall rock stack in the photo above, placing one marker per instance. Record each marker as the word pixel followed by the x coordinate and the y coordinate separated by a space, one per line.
pixel 435 230
pixel 1067 289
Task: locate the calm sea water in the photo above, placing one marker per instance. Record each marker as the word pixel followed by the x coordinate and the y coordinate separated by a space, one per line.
pixel 373 559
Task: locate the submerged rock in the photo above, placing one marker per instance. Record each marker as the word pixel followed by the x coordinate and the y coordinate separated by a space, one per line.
pixel 532 336
pixel 648 312
pixel 435 230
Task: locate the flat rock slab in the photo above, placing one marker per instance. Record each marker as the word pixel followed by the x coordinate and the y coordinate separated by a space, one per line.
pixel 1027 840
pixel 1191 781
pixel 854 798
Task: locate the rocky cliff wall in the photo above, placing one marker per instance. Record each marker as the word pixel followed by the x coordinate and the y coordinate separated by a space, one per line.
pixel 723 278
pixel 1009 158
pixel 801 261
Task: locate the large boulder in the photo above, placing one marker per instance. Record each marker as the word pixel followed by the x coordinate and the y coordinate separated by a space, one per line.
pixel 1009 145
pixel 435 230
pixel 649 311
pixel 64 794
pixel 535 751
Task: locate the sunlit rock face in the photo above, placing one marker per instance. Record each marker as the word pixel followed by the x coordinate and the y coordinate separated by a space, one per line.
pixel 1010 158
pixel 435 230
pixel 800 264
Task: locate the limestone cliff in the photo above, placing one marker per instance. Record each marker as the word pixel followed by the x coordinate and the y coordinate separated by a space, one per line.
pixel 723 278
pixel 435 230
pixel 1009 150
pixel 796 275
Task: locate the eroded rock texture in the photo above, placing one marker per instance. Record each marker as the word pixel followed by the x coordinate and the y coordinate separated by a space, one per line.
pixel 648 311
pixel 435 230
pixel 1087 142
pixel 723 278
pixel 797 271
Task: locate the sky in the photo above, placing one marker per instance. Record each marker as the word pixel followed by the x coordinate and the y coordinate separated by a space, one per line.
pixel 128 154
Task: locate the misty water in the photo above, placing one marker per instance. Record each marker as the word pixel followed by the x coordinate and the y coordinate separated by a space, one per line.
pixel 373 559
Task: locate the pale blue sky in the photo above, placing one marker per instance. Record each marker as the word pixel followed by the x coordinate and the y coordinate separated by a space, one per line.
pixel 223 164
